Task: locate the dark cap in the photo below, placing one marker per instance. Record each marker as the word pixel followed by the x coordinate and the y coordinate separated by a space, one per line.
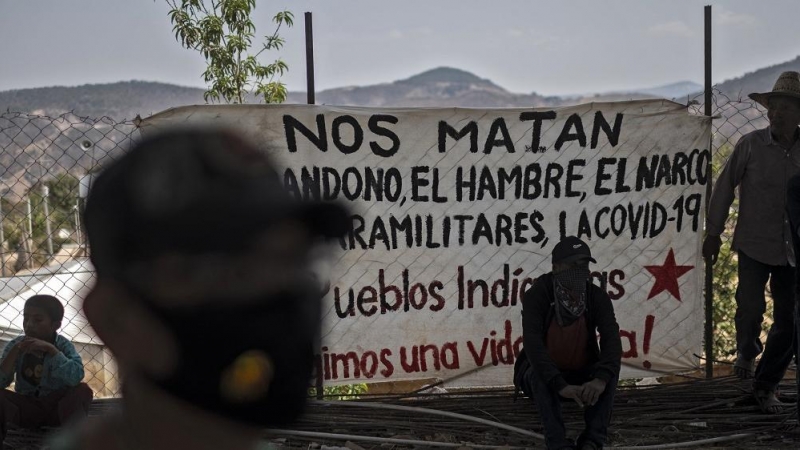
pixel 193 191
pixel 570 249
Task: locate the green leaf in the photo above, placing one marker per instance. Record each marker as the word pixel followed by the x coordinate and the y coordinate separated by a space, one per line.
pixel 273 42
pixel 285 17
pixel 222 31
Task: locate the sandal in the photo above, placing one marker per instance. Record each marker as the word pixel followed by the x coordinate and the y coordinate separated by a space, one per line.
pixel 768 402
pixel 744 368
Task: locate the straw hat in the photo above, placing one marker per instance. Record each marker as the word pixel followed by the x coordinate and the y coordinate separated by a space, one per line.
pixel 788 85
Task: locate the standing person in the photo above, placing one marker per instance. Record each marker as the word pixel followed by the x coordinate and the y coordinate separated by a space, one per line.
pixel 46 370
pixel 761 165
pixel 793 207
pixel 203 293
pixel 561 316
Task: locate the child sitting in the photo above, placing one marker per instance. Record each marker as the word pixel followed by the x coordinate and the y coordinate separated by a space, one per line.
pixel 48 372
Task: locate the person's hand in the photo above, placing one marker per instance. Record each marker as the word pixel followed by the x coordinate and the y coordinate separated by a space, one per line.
pixel 711 245
pixel 33 345
pixel 591 390
pixel 573 392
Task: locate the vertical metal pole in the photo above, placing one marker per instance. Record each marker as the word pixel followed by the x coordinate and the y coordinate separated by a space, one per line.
pixel 29 239
pixel 48 226
pixel 29 212
pixel 2 242
pixel 309 61
pixel 709 329
pixel 77 212
pixel 310 99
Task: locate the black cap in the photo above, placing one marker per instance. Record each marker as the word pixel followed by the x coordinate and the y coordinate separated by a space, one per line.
pixel 570 249
pixel 193 191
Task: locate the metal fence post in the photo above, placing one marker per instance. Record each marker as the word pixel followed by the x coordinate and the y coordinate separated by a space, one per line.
pixel 47 220
pixel 310 99
pixel 310 94
pixel 709 281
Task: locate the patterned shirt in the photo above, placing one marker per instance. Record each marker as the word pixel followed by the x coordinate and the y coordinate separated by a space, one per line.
pixel 40 376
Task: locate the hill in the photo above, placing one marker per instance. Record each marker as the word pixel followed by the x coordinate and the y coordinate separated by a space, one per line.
pixel 760 80
pixel 439 87
pixel 122 100
pixel 443 86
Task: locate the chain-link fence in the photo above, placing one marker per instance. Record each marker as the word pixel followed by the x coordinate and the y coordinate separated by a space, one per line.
pixel 44 167
pixel 733 118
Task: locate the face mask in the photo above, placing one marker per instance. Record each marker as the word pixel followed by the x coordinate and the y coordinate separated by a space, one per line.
pixel 570 292
pixel 251 362
pixel 573 279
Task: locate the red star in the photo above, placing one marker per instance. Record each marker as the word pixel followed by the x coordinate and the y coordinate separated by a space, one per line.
pixel 667 276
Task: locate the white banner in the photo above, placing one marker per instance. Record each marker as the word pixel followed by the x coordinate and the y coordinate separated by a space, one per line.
pixel 456 211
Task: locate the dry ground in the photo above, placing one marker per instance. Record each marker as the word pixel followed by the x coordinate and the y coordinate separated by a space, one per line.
pixel 658 416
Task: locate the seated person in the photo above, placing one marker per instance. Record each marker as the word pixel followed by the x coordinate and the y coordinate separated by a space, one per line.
pixel 48 372
pixel 561 316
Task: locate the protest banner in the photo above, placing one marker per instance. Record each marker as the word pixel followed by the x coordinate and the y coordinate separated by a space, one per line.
pixel 456 212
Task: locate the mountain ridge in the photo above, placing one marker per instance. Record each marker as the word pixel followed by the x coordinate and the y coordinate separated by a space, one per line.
pixel 437 87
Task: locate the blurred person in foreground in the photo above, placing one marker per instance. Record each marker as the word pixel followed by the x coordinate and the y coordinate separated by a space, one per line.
pixel 203 295
pixel 562 313
pixel 761 165
pixel 46 371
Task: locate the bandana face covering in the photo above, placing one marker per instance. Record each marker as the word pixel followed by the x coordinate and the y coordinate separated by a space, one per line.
pixel 251 362
pixel 570 292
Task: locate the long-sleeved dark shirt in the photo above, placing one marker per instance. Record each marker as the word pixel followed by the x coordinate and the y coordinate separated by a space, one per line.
pixel 793 209
pixel 538 310
pixel 761 169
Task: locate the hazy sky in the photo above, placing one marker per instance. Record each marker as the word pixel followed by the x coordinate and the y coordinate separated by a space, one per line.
pixel 550 47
